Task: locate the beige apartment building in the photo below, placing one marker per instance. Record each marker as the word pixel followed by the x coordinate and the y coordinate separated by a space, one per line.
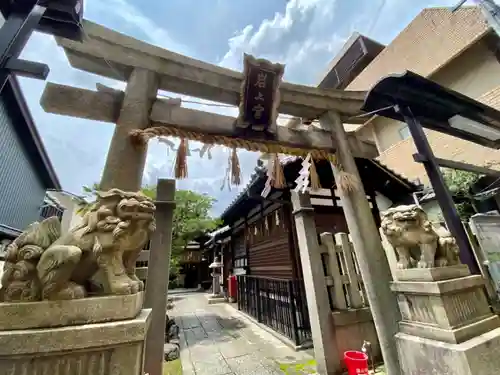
pixel 457 50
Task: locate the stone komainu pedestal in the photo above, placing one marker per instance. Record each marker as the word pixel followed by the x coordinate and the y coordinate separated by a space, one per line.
pixel 447 327
pixel 91 336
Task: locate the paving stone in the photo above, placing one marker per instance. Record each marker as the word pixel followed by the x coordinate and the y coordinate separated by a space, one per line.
pixel 203 351
pixel 250 364
pixel 237 348
pixel 215 341
pixel 211 365
pixel 190 321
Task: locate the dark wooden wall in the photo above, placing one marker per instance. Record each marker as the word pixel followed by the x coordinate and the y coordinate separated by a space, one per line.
pixel 239 249
pixel 265 241
pixel 269 251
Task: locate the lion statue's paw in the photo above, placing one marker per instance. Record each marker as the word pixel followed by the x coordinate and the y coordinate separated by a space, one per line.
pixel 70 291
pixel 125 286
pixel 424 264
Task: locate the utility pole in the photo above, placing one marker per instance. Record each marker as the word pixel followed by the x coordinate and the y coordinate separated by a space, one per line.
pixel 490 10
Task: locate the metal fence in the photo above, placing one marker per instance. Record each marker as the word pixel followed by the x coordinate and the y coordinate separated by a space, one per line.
pixel 277 303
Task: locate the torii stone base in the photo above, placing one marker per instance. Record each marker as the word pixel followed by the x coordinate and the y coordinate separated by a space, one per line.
pixel 447 327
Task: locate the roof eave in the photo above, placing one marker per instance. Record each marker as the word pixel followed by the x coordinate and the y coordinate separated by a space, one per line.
pixel 49 171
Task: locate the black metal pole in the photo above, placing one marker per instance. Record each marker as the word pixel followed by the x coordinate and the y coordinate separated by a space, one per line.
pixel 443 195
pixel 14 35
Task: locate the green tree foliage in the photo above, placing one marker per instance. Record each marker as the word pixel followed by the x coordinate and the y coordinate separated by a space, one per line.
pixel 459 183
pixel 191 217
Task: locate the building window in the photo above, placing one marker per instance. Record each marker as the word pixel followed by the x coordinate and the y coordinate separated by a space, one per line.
pixel 404 132
pixel 47 211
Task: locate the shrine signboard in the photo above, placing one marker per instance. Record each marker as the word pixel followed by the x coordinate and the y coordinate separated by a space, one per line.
pixel 259 95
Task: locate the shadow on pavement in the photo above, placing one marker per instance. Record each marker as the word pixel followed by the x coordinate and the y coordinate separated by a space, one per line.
pixel 198 329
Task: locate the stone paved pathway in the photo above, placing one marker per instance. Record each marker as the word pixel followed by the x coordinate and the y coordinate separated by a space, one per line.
pixel 215 340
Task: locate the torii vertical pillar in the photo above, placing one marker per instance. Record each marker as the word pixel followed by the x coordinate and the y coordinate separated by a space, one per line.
pixel 368 248
pixel 125 162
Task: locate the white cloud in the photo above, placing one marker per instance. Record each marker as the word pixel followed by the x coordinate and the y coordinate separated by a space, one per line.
pixel 307 34
pixel 293 37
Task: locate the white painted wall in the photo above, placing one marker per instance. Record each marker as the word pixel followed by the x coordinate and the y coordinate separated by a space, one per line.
pixel 433 210
pixel 70 217
pixel 383 203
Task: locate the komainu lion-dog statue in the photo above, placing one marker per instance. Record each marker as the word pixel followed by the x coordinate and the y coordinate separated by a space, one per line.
pixel 416 241
pixel 43 264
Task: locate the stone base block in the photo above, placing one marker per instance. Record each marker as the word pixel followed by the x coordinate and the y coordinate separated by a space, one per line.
pixel 213 299
pixel 106 348
pixel 451 335
pixel 433 274
pixel 47 314
pixel 478 356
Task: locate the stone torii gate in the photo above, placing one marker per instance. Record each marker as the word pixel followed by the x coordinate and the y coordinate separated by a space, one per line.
pixel 147 69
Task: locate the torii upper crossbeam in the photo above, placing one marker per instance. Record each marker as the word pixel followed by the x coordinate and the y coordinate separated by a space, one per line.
pixel 110 54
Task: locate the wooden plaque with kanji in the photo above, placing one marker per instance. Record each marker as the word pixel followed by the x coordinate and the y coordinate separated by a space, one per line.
pixel 260 95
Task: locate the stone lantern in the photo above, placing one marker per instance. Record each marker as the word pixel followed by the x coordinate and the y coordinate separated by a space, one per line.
pixel 216 267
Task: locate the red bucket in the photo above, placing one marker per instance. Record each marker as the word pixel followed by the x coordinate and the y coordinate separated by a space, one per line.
pixel 356 362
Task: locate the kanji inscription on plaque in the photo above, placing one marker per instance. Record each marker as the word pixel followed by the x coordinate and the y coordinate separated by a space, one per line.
pixel 260 95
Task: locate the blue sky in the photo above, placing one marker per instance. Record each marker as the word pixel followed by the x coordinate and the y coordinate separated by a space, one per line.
pixel 303 34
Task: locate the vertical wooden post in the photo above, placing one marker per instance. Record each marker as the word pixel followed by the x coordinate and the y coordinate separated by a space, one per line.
pixel 337 295
pixel 125 162
pixel 292 237
pixel 372 261
pixel 158 276
pixel 318 305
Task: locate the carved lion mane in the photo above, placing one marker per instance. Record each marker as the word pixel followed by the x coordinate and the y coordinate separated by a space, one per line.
pixel 114 211
pixel 416 240
pixel 43 263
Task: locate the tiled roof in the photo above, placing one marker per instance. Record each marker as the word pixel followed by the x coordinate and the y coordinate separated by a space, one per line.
pixel 288 159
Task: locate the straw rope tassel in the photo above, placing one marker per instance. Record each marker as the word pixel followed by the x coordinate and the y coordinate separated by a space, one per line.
pixel 235 168
pixel 346 182
pixel 278 174
pixel 314 177
pixel 181 160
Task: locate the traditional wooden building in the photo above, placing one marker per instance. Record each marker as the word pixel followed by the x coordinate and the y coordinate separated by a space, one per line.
pixel 262 246
pixel 193 261
pixel 194 271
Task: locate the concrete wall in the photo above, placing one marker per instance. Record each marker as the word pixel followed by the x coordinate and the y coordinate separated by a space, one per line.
pixel 383 203
pixel 476 73
pixel 433 210
pixel 352 327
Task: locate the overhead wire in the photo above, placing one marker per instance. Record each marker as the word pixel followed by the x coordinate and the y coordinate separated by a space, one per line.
pixel 121 77
pixel 377 16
